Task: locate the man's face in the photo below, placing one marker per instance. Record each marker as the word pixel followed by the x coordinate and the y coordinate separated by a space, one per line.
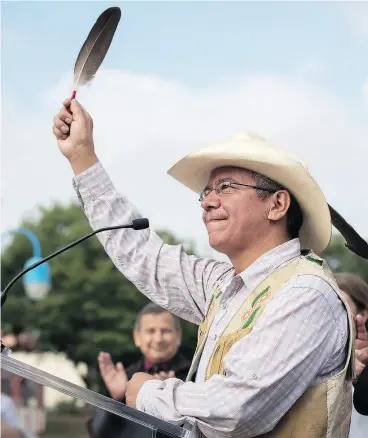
pixel 157 337
pixel 235 219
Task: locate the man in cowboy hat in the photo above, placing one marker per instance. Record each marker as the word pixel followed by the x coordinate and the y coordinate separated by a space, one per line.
pixel 275 344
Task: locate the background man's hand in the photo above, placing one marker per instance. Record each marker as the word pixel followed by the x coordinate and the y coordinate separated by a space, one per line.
pixel 361 345
pixel 74 133
pixel 115 377
pixel 133 387
pixel 162 375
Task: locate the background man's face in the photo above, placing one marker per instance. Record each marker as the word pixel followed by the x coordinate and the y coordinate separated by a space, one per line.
pixel 157 337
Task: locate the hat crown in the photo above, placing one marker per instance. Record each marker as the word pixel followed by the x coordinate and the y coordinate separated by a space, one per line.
pixel 251 136
pixel 248 136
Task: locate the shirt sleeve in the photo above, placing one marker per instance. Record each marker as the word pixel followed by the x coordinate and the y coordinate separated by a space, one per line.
pixel 299 338
pixel 164 273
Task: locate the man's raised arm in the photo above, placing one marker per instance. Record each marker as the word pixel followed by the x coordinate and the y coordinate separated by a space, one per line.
pixel 164 273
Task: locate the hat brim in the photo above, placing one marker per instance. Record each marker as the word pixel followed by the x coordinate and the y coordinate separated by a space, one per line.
pixel 195 169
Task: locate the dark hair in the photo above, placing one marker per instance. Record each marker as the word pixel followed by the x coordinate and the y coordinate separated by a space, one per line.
pixel 355 287
pixel 294 216
pixel 154 309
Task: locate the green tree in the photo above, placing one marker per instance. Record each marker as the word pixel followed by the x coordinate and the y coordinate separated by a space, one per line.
pixel 91 307
pixel 341 259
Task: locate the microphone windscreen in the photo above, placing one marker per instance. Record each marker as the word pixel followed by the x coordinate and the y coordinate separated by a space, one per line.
pixel 140 224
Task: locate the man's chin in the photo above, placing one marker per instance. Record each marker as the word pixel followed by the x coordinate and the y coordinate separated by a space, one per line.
pixel 217 242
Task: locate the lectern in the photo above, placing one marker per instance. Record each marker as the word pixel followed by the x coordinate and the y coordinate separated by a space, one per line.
pixel 136 425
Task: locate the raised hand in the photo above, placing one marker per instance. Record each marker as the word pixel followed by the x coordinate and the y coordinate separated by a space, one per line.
pixel 74 133
pixel 115 377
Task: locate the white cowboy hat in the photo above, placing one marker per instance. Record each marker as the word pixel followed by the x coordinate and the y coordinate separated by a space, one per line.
pixel 252 152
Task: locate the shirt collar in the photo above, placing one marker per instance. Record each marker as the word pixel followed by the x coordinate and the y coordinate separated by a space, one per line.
pixel 268 262
pixel 150 366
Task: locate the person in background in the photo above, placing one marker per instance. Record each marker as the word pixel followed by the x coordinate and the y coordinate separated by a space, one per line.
pixel 157 333
pixel 355 291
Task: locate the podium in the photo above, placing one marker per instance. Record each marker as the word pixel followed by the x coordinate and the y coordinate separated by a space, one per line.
pixel 136 425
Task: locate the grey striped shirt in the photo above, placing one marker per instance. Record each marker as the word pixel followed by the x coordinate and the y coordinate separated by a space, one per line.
pixel 298 341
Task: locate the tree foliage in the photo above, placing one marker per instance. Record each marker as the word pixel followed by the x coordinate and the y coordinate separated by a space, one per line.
pixel 341 259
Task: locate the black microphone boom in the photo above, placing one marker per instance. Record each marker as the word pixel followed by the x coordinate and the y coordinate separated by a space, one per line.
pixel 137 224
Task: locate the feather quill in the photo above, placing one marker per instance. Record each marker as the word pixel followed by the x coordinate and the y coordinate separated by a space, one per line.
pixel 95 47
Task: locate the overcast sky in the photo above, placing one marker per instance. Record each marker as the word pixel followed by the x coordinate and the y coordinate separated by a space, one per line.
pixel 179 75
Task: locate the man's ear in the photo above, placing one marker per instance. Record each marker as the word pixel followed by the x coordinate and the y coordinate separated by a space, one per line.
pixel 278 206
pixel 137 338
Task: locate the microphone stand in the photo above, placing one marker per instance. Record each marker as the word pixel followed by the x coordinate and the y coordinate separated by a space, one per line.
pixel 137 224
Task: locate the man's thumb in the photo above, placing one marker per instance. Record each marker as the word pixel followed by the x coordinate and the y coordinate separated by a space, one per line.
pixel 76 109
pixel 120 367
pixel 362 334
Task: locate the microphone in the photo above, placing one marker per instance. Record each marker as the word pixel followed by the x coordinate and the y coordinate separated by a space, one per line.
pixel 137 224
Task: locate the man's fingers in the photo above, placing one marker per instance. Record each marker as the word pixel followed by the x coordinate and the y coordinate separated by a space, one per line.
pixel 105 363
pixel 104 356
pixel 100 356
pixel 359 367
pixel 361 330
pixel 58 134
pixel 120 367
pixel 80 114
pixel 362 355
pixel 77 109
pixel 361 345
pixel 66 102
pixel 65 116
pixel 74 106
pixel 60 125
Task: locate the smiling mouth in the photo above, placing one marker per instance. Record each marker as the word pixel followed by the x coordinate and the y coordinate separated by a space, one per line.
pixel 163 351
pixel 215 220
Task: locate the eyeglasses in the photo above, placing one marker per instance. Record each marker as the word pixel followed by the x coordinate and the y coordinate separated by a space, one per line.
pixel 228 187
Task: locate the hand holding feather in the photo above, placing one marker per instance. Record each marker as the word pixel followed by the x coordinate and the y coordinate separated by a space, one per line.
pixel 73 129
